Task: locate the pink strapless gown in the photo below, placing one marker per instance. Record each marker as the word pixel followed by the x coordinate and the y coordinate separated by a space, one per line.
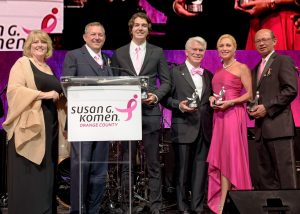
pixel 228 153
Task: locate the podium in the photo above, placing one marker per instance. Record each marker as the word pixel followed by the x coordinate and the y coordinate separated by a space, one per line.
pixel 103 109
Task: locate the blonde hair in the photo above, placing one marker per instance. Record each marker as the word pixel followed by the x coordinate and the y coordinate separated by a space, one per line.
pixel 228 36
pixel 34 35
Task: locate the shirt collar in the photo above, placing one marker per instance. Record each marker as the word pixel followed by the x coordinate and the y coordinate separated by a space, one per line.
pixel 133 46
pixel 91 52
pixel 189 65
pixel 268 56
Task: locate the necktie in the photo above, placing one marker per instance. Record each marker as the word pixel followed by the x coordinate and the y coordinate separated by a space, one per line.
pixel 98 59
pixel 198 71
pixel 261 69
pixel 138 59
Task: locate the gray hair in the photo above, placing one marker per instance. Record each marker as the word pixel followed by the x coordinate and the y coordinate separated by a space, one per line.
pixel 93 24
pixel 198 39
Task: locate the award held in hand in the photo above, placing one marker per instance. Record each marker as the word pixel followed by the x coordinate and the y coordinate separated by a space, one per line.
pixel 253 103
pixel 193 101
pixel 194 6
pixel 220 97
pixel 241 2
pixel 144 80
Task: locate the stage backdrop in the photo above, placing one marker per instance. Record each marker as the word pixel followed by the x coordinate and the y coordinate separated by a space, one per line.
pixel 211 61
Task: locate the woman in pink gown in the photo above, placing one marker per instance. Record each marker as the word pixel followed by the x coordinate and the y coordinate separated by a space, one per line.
pixel 228 155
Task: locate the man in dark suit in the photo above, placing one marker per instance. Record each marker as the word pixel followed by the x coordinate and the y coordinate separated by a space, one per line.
pixel 88 61
pixel 275 79
pixel 139 58
pixel 191 125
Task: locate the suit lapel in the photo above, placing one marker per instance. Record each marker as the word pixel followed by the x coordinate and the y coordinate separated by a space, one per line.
pixel 267 67
pixel 106 63
pixel 205 82
pixel 184 71
pixel 126 55
pixel 90 61
pixel 146 59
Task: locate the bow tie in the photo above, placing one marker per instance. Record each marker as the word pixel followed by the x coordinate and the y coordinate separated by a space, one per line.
pixel 198 71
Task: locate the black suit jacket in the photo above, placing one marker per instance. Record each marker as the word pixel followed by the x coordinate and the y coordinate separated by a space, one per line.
pixel 278 87
pixel 155 66
pixel 186 126
pixel 79 62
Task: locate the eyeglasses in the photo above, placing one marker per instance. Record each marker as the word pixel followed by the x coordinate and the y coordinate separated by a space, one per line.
pixel 263 40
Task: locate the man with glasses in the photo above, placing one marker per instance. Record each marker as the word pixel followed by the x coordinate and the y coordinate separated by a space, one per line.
pixel 88 61
pixel 275 79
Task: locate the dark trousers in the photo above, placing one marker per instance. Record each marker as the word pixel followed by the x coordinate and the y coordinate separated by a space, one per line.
pixel 191 174
pixel 277 169
pixel 151 149
pixel 92 172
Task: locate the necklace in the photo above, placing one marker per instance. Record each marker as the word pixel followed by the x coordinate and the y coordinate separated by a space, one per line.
pixel 230 64
pixel 43 65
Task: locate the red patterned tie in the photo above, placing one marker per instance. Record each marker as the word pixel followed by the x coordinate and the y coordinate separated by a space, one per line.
pixel 198 71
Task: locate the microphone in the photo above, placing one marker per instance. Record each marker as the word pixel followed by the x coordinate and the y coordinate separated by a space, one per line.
pixel 128 71
pixel 108 80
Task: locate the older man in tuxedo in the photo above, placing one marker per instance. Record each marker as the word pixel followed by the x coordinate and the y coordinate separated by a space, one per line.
pixel 88 61
pixel 144 59
pixel 191 125
pixel 275 79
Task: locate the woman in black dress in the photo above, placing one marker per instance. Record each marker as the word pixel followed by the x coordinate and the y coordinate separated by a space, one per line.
pixel 32 129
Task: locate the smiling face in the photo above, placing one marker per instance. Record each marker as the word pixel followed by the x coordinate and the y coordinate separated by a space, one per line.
pixel 94 37
pixel 195 52
pixel 226 48
pixel 139 30
pixel 264 42
pixel 39 48
pixel 38 44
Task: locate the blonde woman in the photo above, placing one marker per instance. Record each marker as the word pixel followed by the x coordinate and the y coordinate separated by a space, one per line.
pixel 32 128
pixel 228 154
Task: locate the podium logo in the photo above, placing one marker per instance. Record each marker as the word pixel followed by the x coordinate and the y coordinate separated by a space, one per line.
pixel 48 24
pixel 131 106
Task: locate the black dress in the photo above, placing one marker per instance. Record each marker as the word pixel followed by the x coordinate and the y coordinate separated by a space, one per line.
pixel 31 186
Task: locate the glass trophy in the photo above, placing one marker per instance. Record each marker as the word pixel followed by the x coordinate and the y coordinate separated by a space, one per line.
pixel 241 2
pixel 144 86
pixel 253 103
pixel 193 101
pixel 220 96
pixel 194 6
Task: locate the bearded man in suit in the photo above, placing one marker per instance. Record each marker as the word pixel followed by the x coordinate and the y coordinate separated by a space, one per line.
pixel 139 58
pixel 275 79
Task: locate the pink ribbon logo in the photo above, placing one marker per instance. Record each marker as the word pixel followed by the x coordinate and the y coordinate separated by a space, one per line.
pixel 45 23
pixel 131 105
